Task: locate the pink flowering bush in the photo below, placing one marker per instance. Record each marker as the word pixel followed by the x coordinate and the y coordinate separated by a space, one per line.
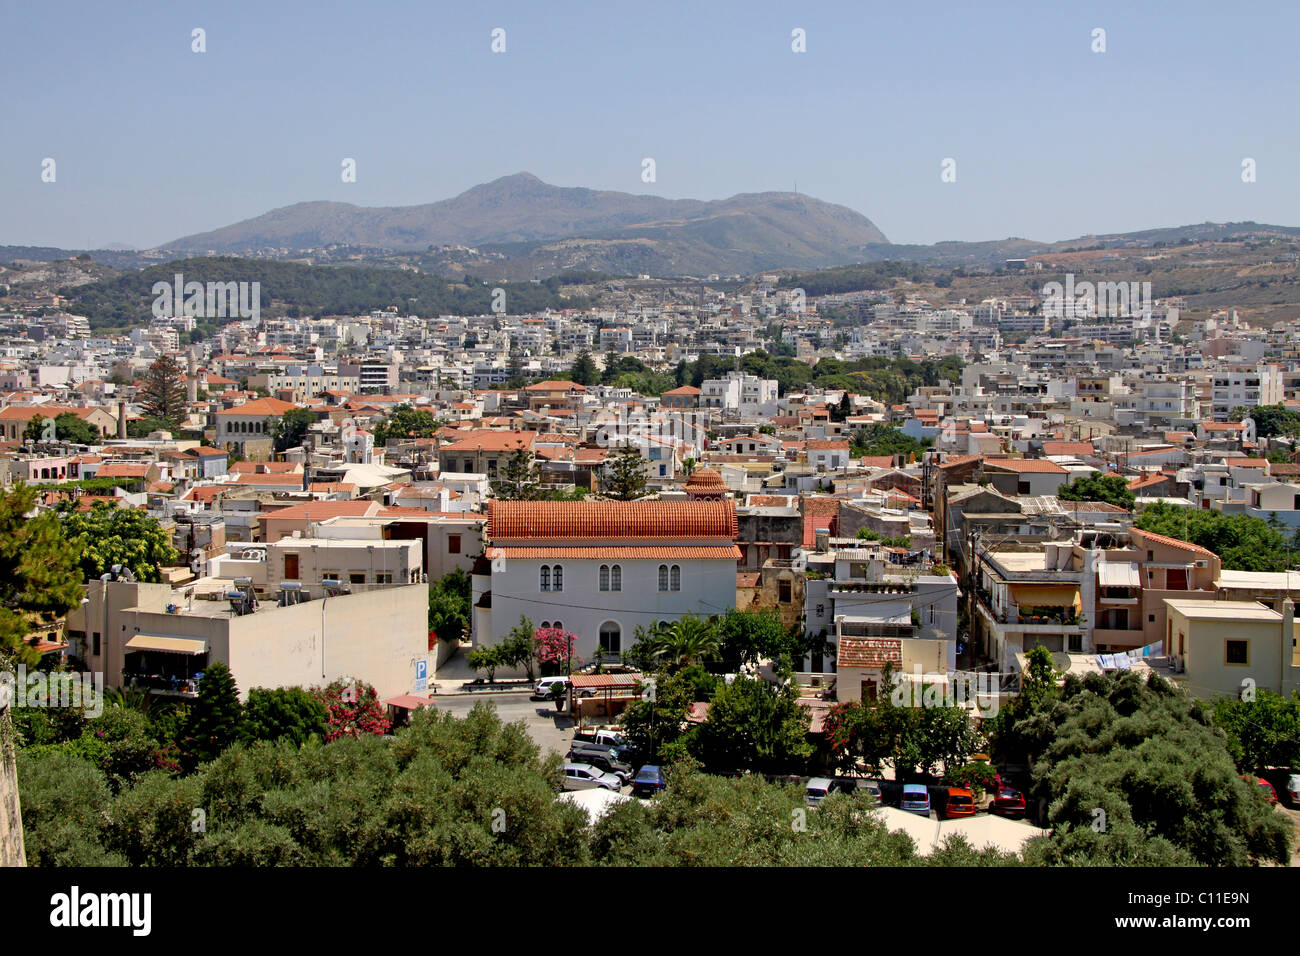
pixel 353 708
pixel 553 649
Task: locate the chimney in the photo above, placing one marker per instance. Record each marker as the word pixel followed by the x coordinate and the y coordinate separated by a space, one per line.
pixel 121 419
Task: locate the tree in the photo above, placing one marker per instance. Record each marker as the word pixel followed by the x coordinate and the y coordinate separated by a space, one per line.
pixel 1264 732
pixel 880 439
pixel 583 371
pixel 39 576
pixel 163 393
pixel 214 720
pixel 687 640
pixel 290 430
pixel 747 637
pixel 353 709
pixel 519 647
pixel 1111 489
pixel 754 725
pixel 518 478
pixel 486 659
pixel 143 427
pixel 1242 542
pixel 67 427
pixel 288 713
pixel 553 650
pixel 515 370
pixel 449 605
pixel 407 422
pixel 107 535
pixel 624 476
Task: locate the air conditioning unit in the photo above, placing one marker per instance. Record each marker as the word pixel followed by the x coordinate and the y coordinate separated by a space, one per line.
pixel 1202 564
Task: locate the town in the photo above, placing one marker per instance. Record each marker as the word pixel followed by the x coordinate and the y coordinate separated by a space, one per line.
pixel 844 543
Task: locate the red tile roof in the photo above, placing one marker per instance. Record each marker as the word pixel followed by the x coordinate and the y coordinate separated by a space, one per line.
pixel 611 519
pixel 665 553
pixel 1026 466
pixel 262 406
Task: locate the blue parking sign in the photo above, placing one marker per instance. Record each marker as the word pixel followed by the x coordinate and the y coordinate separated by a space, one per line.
pixel 422 675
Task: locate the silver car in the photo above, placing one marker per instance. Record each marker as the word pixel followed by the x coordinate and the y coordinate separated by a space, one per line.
pixel 583 776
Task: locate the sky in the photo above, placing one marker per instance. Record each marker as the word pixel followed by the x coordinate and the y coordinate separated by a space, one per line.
pixel 152 141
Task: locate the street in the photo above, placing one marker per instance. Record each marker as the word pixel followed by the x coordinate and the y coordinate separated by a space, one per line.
pixel 549 730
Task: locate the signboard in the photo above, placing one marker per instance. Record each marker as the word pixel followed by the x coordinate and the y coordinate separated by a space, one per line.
pixel 422 675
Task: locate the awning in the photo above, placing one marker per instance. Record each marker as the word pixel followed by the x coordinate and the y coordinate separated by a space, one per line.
pixel 1118 574
pixel 408 702
pixel 172 645
pixel 1045 595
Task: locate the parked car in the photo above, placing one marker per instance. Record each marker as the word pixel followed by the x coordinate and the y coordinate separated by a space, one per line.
pixel 583 776
pixel 606 738
pixel 648 781
pixel 602 762
pixel 818 789
pixel 583 750
pixel 856 787
pixel 916 799
pixel 1269 793
pixel 1008 803
pixel 960 803
pixel 542 690
pixel 1293 789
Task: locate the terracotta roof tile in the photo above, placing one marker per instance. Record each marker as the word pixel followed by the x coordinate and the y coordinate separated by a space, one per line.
pixel 611 519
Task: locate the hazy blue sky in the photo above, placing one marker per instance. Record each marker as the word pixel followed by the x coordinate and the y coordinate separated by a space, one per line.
pixel 153 141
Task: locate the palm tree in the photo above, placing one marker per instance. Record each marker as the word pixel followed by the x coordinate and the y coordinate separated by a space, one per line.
pixel 688 640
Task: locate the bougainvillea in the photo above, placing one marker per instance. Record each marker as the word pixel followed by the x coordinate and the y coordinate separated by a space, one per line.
pixel 555 648
pixel 354 709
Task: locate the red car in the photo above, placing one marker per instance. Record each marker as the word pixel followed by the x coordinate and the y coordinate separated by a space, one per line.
pixel 1008 803
pixel 960 803
pixel 1269 793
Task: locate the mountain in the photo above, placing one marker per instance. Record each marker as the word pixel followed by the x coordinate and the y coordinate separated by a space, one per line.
pixel 520 216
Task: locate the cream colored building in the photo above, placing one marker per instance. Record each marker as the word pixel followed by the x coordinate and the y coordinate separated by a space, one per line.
pixel 1225 647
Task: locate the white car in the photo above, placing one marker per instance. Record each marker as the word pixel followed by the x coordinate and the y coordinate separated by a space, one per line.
pixel 583 776
pixel 1293 789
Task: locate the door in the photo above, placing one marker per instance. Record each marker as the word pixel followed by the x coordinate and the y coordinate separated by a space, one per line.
pixel 291 567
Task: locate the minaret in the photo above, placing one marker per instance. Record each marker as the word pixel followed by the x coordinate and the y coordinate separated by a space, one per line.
pixel 192 380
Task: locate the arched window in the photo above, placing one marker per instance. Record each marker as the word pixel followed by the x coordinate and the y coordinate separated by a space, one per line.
pixel 558 626
pixel 611 639
pixel 604 577
pixel 663 577
pixel 546 624
pixel 676 578
pixel 557 578
pixel 616 578
pixel 546 577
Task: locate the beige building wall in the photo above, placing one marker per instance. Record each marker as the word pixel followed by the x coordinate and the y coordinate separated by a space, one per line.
pixel 1203 644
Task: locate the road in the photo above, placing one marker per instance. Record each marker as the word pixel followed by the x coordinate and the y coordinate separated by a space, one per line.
pixel 549 730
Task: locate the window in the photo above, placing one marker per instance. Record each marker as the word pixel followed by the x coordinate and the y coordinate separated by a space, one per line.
pixel 558 626
pixel 663 577
pixel 383 577
pixel 1236 652
pixel 604 577
pixel 95 638
pixel 616 578
pixel 357 577
pixel 1151 618
pixel 784 591
pixel 546 624
pixel 675 578
pixel 1076 643
pixel 557 578
pixel 611 640
pixel 821 610
pixel 546 577
pixel 453 544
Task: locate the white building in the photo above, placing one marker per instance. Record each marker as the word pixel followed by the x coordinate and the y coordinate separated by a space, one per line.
pixel 601 569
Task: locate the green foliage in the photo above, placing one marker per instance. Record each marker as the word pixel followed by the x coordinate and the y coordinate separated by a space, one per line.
pixel 517 478
pixel 1271 420
pixel 486 659
pixel 1140 762
pixel 39 579
pixel 873 276
pixel 1112 489
pixel 65 806
pixel 67 427
pixel 144 427
pixel 163 393
pixel 747 637
pixel 126 299
pixel 754 725
pixel 288 713
pixel 449 605
pixel 1242 542
pixel 215 719
pixel 881 439
pixel 407 422
pixel 1264 732
pixel 290 430
pixel 106 536
pixel 624 476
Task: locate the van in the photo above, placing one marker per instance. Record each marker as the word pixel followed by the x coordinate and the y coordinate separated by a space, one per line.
pixel 817 790
pixel 916 799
